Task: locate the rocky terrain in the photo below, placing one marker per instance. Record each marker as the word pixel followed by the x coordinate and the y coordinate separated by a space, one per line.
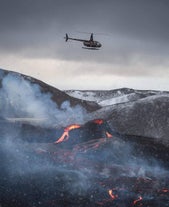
pixel 82 148
pixel 133 112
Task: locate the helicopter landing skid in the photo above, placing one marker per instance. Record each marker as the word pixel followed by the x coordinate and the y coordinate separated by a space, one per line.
pixel 90 48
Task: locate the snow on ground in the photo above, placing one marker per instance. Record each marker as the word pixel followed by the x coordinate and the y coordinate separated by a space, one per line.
pixel 84 95
pixel 103 98
pixel 115 100
pixel 128 106
pixel 111 97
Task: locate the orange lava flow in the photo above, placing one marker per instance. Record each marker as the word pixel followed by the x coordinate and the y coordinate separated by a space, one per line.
pixel 108 135
pixel 139 199
pixel 98 121
pixel 65 135
pixel 73 126
pixel 165 190
pixel 112 195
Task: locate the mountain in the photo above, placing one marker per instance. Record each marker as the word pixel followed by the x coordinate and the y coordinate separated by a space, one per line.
pixel 57 95
pixel 82 148
pixel 28 100
pixel 128 111
pixel 111 97
pixel 133 112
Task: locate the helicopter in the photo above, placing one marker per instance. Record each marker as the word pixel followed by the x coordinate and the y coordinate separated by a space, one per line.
pixel 90 44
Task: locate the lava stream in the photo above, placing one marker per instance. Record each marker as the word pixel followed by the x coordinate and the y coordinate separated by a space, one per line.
pixel 113 197
pixel 139 199
pixel 65 135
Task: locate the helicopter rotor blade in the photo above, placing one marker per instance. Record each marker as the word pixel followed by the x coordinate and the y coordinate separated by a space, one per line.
pixel 95 33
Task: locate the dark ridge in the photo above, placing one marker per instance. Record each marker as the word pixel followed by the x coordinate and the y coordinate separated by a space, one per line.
pixel 149 148
pixel 58 96
pixel 123 90
pixel 102 95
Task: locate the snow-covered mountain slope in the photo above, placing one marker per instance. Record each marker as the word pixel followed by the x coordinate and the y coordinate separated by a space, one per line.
pixel 111 97
pixel 119 99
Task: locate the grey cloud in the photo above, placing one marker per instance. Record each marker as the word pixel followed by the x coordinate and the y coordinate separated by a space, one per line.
pixel 133 17
pixel 35 28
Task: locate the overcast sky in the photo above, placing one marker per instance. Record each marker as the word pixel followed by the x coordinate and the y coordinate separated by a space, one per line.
pixel 134 35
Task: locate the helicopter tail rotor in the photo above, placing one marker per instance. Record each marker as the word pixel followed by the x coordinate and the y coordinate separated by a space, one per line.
pixel 66 37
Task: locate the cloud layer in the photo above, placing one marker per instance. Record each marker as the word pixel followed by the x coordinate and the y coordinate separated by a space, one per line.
pixel 135 40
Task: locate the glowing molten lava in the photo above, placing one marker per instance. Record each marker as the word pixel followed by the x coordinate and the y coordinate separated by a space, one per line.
pixel 109 135
pixel 112 195
pixel 98 121
pixel 65 135
pixel 139 199
pixel 165 190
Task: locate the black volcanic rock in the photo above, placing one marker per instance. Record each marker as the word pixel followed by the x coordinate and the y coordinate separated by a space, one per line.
pixel 147 117
pixel 88 168
pixel 49 175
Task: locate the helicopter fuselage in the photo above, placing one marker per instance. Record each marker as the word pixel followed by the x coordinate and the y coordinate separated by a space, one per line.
pixel 92 44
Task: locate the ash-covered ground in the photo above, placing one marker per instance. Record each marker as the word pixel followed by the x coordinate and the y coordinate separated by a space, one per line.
pixel 77 153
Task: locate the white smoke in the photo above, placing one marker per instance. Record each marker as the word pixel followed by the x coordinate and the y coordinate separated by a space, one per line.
pixel 21 99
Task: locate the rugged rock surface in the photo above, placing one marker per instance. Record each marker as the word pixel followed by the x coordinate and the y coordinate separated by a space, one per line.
pixel 145 117
pixel 97 160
